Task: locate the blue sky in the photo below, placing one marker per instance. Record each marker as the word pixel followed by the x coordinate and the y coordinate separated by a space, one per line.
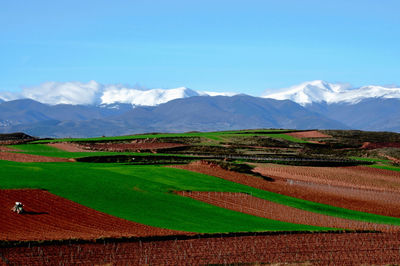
pixel 240 46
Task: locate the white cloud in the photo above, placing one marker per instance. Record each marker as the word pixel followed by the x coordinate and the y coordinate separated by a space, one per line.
pixel 95 93
pixel 65 92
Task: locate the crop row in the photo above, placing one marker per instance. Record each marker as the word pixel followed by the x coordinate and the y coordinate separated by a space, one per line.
pixel 348 248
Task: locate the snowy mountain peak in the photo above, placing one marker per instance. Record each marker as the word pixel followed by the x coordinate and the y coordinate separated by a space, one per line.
pixel 320 91
pixel 145 97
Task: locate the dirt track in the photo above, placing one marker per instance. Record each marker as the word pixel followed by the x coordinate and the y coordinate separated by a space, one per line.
pixel 378 202
pixel 295 249
pixel 29 158
pixel 255 206
pixel 51 217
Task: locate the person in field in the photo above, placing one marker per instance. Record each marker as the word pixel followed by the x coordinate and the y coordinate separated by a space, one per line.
pixel 18 207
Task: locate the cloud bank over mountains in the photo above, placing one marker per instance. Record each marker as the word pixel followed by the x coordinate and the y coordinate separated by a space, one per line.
pixel 94 93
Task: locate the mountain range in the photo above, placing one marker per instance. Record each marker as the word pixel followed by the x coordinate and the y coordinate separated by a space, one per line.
pixel 310 105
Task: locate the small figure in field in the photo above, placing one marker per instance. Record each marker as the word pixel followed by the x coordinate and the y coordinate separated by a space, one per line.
pixel 18 207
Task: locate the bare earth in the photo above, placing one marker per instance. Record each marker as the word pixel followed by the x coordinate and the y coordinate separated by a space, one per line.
pixel 29 158
pixel 50 217
pixel 279 249
pixel 4 148
pixel 66 146
pixel 308 134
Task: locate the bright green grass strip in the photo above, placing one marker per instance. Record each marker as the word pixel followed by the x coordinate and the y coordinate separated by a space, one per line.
pixel 36 148
pixel 386 167
pixel 141 194
pixel 384 164
pixel 45 150
pixel 287 137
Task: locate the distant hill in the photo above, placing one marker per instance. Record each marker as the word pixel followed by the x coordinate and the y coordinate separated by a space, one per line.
pixel 376 114
pixel 202 113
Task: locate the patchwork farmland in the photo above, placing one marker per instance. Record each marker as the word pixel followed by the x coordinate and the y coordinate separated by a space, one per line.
pixel 251 196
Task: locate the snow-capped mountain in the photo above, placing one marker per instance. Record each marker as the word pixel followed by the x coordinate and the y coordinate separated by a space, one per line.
pixel 319 91
pixel 151 97
pixel 94 93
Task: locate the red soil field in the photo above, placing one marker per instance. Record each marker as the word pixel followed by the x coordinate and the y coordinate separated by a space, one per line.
pixel 308 134
pixel 357 177
pixel 66 146
pixel 372 201
pixel 369 145
pixel 309 249
pixel 255 206
pixel 134 146
pixel 50 217
pixel 29 158
pixel 4 148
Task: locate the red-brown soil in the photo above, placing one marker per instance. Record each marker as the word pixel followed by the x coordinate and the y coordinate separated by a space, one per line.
pixel 357 177
pixel 5 148
pixel 259 207
pixel 67 146
pixel 303 249
pixel 50 217
pixel 393 159
pixel 372 201
pixel 308 134
pixel 371 145
pixel 134 146
pixel 29 158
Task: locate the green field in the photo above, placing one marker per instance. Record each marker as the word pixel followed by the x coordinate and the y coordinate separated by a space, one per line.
pixel 139 193
pixel 213 136
pixel 379 163
pixel 144 194
pixel 45 150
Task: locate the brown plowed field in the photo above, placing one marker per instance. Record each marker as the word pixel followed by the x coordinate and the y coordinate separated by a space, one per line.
pixel 259 207
pixel 311 249
pixel 29 158
pixel 51 217
pixel 372 201
pixel 356 177
pixel 308 134
pixel 66 146
pixel 126 147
